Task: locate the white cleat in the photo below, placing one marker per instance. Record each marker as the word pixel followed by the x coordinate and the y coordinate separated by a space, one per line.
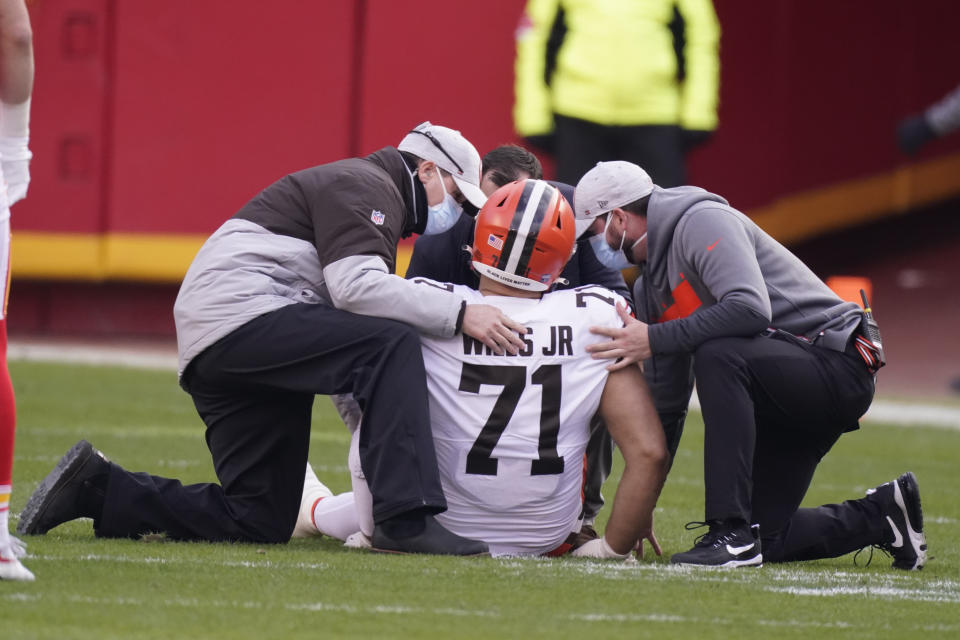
pixel 11 568
pixel 313 492
pixel 18 547
pixel 358 540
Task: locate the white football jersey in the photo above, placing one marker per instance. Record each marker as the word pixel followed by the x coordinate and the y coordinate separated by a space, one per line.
pixel 511 431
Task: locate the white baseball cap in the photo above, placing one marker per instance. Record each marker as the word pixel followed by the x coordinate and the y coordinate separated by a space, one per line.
pixel 582 225
pixel 610 185
pixel 451 152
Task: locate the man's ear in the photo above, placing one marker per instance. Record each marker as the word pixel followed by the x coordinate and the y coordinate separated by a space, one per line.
pixel 619 215
pixel 425 170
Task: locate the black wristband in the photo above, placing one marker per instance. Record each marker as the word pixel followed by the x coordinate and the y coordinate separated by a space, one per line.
pixel 463 311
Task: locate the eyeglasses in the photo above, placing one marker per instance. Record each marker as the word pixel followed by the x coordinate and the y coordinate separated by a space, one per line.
pixel 437 144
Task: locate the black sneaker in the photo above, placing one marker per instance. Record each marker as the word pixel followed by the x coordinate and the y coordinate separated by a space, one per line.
pixel 433 539
pixel 900 500
pixel 723 547
pixel 74 489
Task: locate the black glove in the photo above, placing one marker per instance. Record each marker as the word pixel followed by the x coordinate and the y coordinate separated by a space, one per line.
pixel 547 142
pixel 914 132
pixel 691 138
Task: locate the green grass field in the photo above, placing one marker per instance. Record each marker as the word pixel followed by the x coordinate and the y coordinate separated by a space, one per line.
pixel 90 588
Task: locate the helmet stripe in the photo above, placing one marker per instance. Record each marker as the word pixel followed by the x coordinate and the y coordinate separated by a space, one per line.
pixel 542 203
pixel 518 214
pixel 529 225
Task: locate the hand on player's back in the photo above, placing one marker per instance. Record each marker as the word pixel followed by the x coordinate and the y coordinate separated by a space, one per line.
pixel 492 327
pixel 628 345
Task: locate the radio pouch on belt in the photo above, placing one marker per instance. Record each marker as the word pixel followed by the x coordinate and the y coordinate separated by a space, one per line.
pixel 868 342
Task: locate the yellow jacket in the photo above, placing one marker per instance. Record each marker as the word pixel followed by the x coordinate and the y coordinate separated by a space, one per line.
pixel 616 64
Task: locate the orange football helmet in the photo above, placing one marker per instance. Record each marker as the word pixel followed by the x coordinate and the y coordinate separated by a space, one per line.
pixel 524 236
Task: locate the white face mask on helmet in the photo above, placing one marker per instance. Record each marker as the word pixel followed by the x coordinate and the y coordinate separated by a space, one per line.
pixel 441 217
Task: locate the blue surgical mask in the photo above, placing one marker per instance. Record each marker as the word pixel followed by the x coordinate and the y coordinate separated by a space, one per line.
pixel 441 217
pixel 607 255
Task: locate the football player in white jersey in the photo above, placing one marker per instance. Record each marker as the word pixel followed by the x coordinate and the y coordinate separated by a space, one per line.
pixel 511 431
pixel 16 86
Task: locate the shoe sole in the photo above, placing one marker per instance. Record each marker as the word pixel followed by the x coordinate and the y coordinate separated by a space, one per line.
pixel 911 495
pixel 51 486
pixel 755 562
pixel 906 495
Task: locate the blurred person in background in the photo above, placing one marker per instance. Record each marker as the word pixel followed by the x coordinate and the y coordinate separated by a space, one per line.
pixel 16 86
pixel 295 296
pixel 783 368
pixel 936 121
pixel 617 80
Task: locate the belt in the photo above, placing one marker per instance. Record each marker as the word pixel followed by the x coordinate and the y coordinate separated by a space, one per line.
pixel 861 347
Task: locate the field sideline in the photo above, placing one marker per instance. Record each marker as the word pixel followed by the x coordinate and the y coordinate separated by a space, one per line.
pixel 90 588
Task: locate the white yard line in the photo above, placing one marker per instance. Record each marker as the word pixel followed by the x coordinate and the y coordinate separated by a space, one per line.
pixel 147 357
pixel 165 358
pixel 402 610
pixel 884 593
pixel 797 582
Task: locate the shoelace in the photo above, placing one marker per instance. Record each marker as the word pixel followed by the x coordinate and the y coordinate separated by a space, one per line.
pixel 707 539
pixel 878 547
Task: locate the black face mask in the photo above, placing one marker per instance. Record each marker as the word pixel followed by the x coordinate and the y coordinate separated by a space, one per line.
pixel 419 222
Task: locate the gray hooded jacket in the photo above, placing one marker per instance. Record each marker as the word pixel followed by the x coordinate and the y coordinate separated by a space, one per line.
pixel 324 235
pixel 710 273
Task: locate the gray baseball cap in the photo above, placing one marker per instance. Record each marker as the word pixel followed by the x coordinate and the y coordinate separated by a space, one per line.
pixel 610 185
pixel 451 152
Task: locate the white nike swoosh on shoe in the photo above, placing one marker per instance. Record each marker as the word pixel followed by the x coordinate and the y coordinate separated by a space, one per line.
pixel 897 536
pixel 735 551
pixel 917 540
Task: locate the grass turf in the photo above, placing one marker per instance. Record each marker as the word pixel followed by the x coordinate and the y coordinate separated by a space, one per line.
pixel 90 588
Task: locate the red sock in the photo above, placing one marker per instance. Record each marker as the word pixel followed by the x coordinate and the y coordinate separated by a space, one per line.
pixel 8 412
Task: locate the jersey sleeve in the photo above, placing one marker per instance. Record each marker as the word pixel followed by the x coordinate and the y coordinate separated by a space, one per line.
pixel 601 304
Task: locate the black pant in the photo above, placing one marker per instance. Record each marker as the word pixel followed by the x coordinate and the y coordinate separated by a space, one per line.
pixel 656 148
pixel 772 407
pixel 599 464
pixel 254 390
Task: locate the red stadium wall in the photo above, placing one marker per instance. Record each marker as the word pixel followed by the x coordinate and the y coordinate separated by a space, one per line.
pixel 154 121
